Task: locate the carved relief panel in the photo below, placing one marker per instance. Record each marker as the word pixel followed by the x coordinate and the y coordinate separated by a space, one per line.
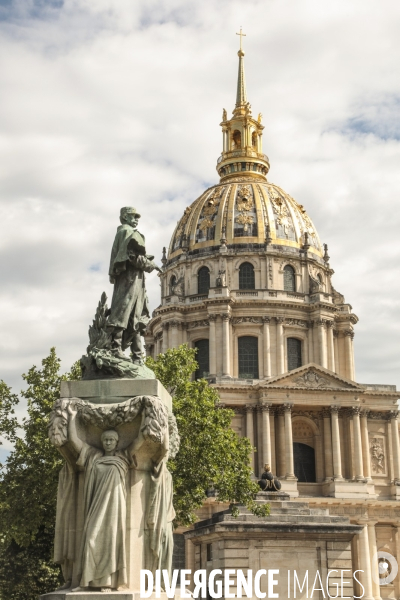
pixel 377 454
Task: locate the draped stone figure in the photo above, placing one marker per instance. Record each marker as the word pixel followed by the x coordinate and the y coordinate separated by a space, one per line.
pixel 91 522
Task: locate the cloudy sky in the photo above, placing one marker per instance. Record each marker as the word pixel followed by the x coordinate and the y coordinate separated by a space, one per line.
pixel 106 103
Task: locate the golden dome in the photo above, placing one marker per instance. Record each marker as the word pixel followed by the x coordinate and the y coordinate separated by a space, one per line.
pixel 244 210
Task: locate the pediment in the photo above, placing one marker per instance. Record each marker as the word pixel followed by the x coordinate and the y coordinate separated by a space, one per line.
pixel 312 377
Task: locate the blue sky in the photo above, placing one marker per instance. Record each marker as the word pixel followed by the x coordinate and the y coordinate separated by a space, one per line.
pixel 110 103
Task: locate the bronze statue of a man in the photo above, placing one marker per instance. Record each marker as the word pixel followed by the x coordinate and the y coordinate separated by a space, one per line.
pixel 129 312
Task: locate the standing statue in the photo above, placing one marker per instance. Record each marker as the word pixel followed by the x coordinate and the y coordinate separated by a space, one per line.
pixel 121 326
pixel 129 306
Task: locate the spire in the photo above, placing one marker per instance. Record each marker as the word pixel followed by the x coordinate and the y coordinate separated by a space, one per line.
pixel 241 95
pixel 242 136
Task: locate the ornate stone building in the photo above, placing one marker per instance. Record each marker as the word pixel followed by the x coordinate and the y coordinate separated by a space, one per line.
pixel 247 281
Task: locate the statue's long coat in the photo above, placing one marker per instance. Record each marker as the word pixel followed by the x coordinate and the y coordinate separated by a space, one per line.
pixel 129 305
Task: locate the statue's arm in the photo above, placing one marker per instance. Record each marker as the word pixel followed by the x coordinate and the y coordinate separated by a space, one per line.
pixel 143 263
pixel 139 439
pixel 76 443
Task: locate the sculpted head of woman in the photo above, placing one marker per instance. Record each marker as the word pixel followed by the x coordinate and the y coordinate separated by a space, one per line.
pixel 109 440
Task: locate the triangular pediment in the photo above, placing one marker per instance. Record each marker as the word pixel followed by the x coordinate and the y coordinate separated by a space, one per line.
pixel 311 377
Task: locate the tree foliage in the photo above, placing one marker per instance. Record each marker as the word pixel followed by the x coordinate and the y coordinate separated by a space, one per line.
pixel 211 453
pixel 28 485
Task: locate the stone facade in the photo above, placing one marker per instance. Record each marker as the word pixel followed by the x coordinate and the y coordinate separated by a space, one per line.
pixel 245 261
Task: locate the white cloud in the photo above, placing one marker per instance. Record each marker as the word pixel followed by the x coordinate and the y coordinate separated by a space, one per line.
pixel 110 103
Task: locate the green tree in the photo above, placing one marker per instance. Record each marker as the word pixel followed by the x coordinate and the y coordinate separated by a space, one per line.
pixel 28 486
pixel 211 453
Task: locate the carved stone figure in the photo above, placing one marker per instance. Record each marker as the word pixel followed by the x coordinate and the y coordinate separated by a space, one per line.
pixel 121 326
pixel 311 379
pixel 377 455
pixel 221 279
pixel 91 522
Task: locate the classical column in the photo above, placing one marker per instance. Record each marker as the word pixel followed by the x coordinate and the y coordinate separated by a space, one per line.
pixel 165 346
pixel 336 347
pixel 281 458
pixel 280 346
pixel 395 444
pixel 327 444
pixel 289 442
pixel 266 434
pixel 226 359
pixel 250 430
pixel 190 560
pixel 374 564
pixel 310 342
pixel 331 347
pixel 267 347
pixel 365 444
pixel 348 344
pixel 358 457
pixel 212 345
pixel 365 562
pixel 322 343
pixel 336 454
pixel 174 333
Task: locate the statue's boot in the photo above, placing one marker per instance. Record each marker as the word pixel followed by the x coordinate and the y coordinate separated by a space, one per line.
pixel 116 344
pixel 137 349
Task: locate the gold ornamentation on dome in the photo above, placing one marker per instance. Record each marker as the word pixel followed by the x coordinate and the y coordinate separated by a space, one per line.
pixel 281 211
pixel 259 118
pixel 244 191
pixel 184 219
pixel 244 219
pixel 211 209
pixel 244 204
pixel 205 224
pixel 224 115
pixel 216 194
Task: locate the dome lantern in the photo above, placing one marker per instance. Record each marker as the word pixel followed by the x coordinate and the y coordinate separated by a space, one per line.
pixel 242 135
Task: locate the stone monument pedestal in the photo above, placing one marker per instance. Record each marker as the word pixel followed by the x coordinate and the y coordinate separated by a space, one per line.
pixel 294 537
pixel 137 415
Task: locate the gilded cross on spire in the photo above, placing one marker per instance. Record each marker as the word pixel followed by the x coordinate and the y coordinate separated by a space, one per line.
pixel 241 35
pixel 241 96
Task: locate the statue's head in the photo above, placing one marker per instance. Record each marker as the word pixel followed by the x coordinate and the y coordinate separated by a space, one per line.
pixel 129 215
pixel 58 426
pixel 109 439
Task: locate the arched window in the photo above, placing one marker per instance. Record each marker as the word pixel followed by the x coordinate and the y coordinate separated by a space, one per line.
pixel 304 462
pixel 172 284
pixel 248 357
pixel 246 277
pixel 289 279
pixel 203 280
pixel 293 353
pixel 203 359
pixel 237 139
pixel 254 140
